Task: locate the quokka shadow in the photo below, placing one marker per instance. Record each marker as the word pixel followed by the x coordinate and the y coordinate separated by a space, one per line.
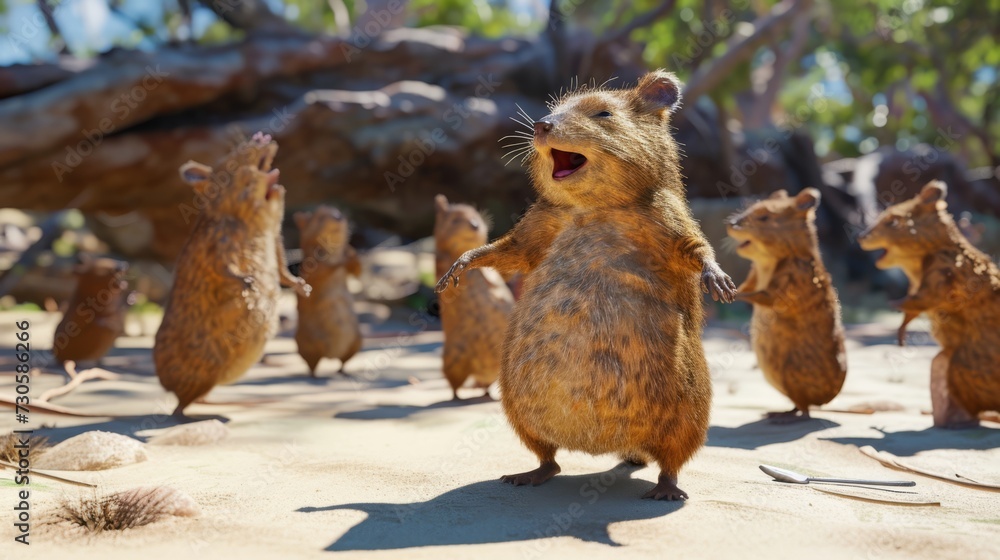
pixel 398 412
pixel 765 432
pixel 580 506
pixel 910 442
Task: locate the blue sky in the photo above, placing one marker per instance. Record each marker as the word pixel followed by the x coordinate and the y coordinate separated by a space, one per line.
pixel 89 26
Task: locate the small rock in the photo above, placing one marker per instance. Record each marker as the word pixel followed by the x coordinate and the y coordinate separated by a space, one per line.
pixel 197 433
pixel 92 451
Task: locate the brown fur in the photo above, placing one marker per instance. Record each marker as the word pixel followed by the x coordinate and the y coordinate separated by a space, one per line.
pixel 96 312
pixel 958 287
pixel 795 330
pixel 328 326
pixel 222 307
pixel 474 316
pixel 603 353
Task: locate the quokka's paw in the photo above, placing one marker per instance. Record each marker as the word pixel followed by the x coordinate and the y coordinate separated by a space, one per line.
pixel 717 283
pixel 453 275
pixel 302 288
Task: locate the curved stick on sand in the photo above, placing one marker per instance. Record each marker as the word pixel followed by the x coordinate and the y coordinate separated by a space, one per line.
pixel 51 476
pixel 75 379
pixel 891 461
pixel 41 406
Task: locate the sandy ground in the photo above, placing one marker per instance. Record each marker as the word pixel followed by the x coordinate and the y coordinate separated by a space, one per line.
pixel 384 466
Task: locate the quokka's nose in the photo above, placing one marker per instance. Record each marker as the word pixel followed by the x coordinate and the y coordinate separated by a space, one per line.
pixel 542 127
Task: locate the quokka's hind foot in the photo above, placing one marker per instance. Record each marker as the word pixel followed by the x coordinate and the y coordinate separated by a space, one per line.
pixel 312 364
pixel 341 371
pixel 788 417
pixel 666 489
pixel 542 474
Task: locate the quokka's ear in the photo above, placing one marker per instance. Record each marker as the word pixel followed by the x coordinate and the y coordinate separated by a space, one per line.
pixel 933 192
pixel 301 219
pixel 779 194
pixel 656 92
pixel 807 199
pixel 198 175
pixel 440 203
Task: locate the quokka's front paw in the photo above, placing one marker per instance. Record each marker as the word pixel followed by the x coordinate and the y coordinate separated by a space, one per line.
pixel 453 274
pixel 302 288
pixel 717 283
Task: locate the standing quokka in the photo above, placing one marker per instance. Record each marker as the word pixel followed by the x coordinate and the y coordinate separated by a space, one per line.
pixel 222 307
pixel 328 326
pixel 603 353
pixel 958 286
pixel 795 330
pixel 95 316
pixel 474 315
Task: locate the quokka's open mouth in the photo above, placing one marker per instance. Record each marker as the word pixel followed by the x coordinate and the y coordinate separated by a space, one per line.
pixel 566 163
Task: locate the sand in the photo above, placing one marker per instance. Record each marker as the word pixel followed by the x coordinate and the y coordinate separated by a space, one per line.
pixel 384 466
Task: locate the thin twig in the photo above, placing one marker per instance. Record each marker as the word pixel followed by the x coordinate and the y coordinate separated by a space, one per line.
pixel 5 464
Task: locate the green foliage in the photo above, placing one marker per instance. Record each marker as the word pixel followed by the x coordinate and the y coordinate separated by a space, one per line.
pixel 489 18
pixel 143 306
pixel 27 306
pixel 314 15
pixel 220 32
pixel 871 59
pixel 904 49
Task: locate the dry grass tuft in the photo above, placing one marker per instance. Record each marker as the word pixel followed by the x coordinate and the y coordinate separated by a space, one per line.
pixel 9 453
pixel 114 512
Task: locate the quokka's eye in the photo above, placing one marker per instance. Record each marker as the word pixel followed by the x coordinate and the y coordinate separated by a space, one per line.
pixel 603 114
pixel 763 218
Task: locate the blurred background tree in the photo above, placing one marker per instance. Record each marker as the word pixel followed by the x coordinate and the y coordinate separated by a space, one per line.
pixel 889 71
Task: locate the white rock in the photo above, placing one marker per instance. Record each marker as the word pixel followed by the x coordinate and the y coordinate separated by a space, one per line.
pixel 92 451
pixel 197 433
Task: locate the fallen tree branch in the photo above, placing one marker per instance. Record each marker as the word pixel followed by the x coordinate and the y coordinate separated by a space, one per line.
pixel 126 88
